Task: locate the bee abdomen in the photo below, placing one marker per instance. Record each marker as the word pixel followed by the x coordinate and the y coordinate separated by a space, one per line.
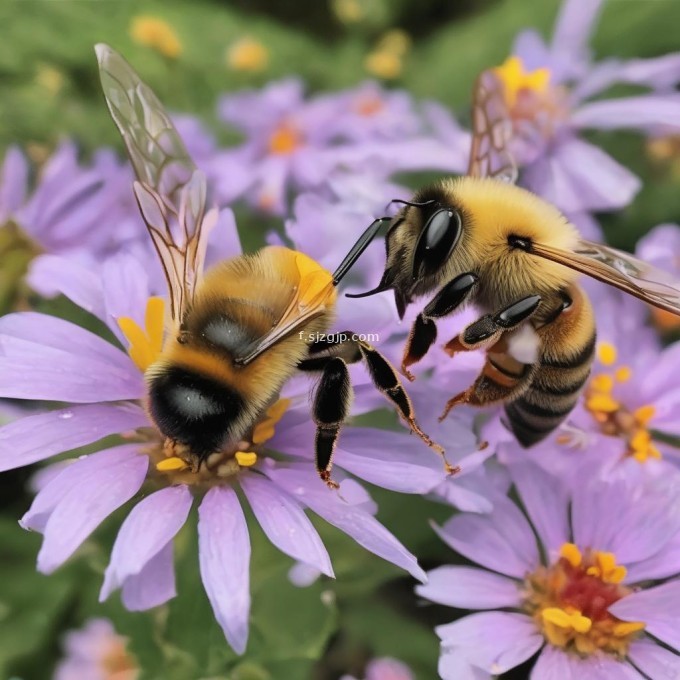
pixel 194 409
pixel 554 391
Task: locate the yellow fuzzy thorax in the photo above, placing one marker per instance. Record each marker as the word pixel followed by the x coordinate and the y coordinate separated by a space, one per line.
pixel 494 210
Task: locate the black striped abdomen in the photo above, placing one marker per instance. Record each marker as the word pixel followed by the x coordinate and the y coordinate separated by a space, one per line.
pixel 568 348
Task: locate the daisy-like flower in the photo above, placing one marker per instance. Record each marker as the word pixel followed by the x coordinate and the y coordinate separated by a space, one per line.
pixel 548 91
pixel 46 358
pixel 384 669
pixel 96 652
pixel 296 142
pixel 595 596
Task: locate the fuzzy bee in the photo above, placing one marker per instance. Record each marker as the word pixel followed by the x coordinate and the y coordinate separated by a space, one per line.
pixel 238 332
pixel 482 239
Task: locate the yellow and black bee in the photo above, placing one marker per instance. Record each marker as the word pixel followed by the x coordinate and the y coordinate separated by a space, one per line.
pixel 235 334
pixel 480 238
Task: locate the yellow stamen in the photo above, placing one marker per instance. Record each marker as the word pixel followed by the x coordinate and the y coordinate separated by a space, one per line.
pixel 247 54
pixel 602 403
pixel 156 33
pixel 284 140
pixel 564 619
pixel 145 346
pixel 246 458
pixel 623 374
pixel 602 383
pixel 606 353
pixel 265 429
pixel 572 554
pixel 644 414
pixel 515 79
pixel 627 627
pixel 606 569
pixel 172 464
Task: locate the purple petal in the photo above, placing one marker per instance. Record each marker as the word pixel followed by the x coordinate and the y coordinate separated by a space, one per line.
pixel 469 588
pixel 645 111
pixel 530 47
pixel 224 556
pixel 494 641
pixel 52 275
pixel 388 669
pixel 654 660
pixel 546 502
pixel 150 527
pixel 572 31
pixel 657 608
pixel 392 460
pixel 37 437
pixel 635 524
pixel 352 519
pixel 154 585
pixel 555 664
pixel 42 357
pixel 454 665
pixel 13 182
pixel 502 541
pixel 75 502
pixel 285 523
pixel 579 177
pixel 661 565
pixel 126 289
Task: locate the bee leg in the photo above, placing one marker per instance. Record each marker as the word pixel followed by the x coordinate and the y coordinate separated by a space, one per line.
pixel 386 379
pixel 424 331
pixel 503 376
pixel 331 407
pixel 487 330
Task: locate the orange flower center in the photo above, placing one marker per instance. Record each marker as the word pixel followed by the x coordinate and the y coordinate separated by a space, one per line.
pixel 285 140
pixel 569 602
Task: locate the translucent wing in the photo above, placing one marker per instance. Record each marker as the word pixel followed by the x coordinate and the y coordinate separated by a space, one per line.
pixel 171 192
pixel 491 131
pixel 618 269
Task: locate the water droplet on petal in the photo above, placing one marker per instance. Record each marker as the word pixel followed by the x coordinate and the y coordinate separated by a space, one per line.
pixel 300 490
pixel 65 415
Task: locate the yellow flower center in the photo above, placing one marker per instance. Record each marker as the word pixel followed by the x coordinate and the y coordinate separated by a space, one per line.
pixel 569 602
pixel 156 33
pixel 614 418
pixel 285 139
pixel 248 54
pixel 145 345
pixel 516 80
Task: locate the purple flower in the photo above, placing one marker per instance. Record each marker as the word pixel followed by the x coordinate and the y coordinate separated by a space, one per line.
pixel 548 89
pixel 46 358
pixel 96 652
pixel 384 669
pixel 296 142
pixel 13 183
pixel 588 579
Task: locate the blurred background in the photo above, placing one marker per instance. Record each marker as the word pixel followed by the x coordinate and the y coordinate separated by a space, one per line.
pixel 431 48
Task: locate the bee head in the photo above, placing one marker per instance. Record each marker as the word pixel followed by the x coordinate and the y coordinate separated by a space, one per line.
pixel 419 241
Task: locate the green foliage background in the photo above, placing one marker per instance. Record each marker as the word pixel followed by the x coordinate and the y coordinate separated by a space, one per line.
pixel 333 627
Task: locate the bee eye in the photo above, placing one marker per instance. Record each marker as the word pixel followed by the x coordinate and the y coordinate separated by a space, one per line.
pixel 437 240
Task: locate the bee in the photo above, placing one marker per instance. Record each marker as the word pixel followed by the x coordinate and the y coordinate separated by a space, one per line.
pixel 239 332
pixel 480 238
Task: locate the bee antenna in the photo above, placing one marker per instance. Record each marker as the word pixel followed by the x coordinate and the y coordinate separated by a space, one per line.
pixel 358 248
pixel 413 204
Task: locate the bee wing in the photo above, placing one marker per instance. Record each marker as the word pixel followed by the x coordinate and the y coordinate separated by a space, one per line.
pixel 619 269
pixel 170 191
pixel 491 131
pixel 314 295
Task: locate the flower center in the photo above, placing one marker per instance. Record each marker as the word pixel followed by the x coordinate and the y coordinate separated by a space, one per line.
pixel 285 139
pixel 145 344
pixel 116 663
pixel 368 105
pixel 613 417
pixel 569 602
pixel 516 80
